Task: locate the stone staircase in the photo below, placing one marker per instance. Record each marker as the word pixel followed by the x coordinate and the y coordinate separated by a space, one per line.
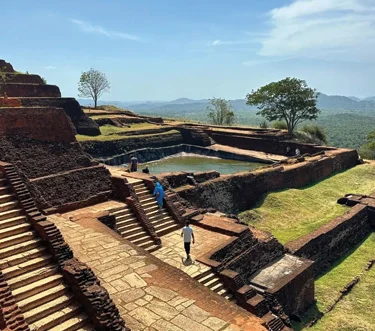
pixel 210 280
pixel 36 283
pixel 160 218
pixel 129 227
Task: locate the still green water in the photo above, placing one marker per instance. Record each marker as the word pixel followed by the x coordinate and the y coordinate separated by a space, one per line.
pixel 192 163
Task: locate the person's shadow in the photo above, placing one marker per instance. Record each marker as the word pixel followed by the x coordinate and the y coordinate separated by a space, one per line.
pixel 187 262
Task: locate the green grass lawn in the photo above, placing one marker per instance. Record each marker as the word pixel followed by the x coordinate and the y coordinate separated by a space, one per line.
pixel 356 310
pixel 292 213
pixel 111 132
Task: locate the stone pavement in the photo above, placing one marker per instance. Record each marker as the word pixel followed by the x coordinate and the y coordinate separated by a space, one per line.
pixel 150 294
pixel 173 251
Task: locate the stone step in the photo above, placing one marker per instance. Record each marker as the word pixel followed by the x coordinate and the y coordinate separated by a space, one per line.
pixel 147 200
pixel 6 223
pixel 152 248
pixel 204 274
pixel 42 297
pixel 131 232
pixel 126 219
pixel 10 213
pixel 6 197
pixel 144 194
pixel 19 238
pixel 162 220
pixel 20 247
pixel 142 240
pixel 48 308
pixel 156 213
pixel 39 286
pixel 32 276
pixel 147 244
pixel 21 257
pixel 14 230
pixel 122 212
pixel 212 283
pixel 58 319
pixel 135 236
pixel 72 324
pixel 218 287
pixel 3 181
pixel 26 266
pixel 128 227
pixel 86 327
pixel 4 189
pixel 9 205
pixel 138 184
pixel 151 208
pixel 206 278
pixel 167 229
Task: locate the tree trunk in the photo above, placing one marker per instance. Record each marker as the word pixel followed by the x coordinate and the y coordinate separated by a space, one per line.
pixel 95 102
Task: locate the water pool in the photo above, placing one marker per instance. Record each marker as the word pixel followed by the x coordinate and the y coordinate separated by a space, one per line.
pixel 195 163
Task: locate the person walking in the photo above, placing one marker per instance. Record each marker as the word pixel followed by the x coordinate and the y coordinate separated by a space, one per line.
pixel 133 163
pixel 188 234
pixel 159 194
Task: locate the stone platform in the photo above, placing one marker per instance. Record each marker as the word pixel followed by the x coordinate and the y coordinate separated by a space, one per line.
pixel 150 294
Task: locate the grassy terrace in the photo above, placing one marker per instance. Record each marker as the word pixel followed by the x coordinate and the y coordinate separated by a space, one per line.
pixel 356 310
pixel 111 132
pixel 292 213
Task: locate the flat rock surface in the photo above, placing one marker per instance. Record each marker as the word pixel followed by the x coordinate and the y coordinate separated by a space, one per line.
pixel 150 294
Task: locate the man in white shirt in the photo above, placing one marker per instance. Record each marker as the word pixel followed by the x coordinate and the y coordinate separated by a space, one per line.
pixel 187 233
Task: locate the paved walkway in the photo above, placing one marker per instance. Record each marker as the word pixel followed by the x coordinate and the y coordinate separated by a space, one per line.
pixel 173 251
pixel 150 294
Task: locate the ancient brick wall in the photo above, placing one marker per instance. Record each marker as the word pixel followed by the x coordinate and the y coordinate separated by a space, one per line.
pixel 21 78
pixel 41 158
pixel 114 147
pixel 73 189
pixel 30 90
pixel 5 66
pixel 333 240
pixel 50 124
pixel 83 124
pixel 239 192
pixel 177 179
pixel 262 144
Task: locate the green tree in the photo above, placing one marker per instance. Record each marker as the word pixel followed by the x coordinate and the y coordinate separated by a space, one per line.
pixel 289 100
pixel 93 83
pixel 367 151
pixel 220 112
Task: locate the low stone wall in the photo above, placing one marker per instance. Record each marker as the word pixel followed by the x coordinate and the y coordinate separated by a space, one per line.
pixel 50 124
pixel 152 154
pixel 122 120
pixel 82 123
pixel 235 193
pixel 263 144
pixel 107 149
pixel 333 240
pixel 30 90
pixel 21 79
pixel 177 179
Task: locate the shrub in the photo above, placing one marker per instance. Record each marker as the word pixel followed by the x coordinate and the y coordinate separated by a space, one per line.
pixel 315 131
pixel 263 125
pixel 280 125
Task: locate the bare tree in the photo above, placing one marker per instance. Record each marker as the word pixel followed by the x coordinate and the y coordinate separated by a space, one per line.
pixel 93 83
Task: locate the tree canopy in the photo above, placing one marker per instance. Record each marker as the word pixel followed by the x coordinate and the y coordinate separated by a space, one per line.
pixel 289 100
pixel 367 151
pixel 92 84
pixel 220 112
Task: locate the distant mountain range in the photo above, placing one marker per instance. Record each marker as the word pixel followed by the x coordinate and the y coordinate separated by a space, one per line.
pixel 185 106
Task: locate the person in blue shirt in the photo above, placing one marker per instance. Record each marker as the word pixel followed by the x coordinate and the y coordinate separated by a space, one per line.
pixel 159 194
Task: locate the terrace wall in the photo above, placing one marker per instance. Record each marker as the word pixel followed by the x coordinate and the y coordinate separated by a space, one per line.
pixel 239 192
pixel 30 90
pixel 333 240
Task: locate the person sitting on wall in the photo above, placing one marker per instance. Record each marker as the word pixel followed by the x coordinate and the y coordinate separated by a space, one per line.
pixel 145 170
pixel 298 152
pixel 159 194
pixel 133 163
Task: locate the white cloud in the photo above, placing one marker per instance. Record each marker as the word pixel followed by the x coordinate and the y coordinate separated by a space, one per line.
pixel 50 67
pixel 327 29
pixel 90 28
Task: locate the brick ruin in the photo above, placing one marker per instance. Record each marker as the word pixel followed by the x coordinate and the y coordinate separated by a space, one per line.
pixel 50 172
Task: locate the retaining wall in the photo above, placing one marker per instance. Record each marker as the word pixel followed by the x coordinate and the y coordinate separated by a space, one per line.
pixel 235 193
pixel 30 90
pixel 333 240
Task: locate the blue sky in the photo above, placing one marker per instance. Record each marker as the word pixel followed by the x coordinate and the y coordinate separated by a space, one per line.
pixel 164 49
